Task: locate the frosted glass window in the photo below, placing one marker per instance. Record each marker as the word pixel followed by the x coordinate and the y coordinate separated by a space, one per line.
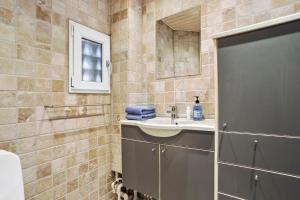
pixel 91 61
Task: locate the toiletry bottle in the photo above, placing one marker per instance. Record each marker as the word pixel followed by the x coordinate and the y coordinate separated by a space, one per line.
pixel 188 113
pixel 197 110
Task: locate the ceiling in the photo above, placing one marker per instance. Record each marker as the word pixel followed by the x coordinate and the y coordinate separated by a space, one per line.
pixel 188 20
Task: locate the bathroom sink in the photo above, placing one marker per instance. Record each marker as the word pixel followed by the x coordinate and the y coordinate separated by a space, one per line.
pixel 162 126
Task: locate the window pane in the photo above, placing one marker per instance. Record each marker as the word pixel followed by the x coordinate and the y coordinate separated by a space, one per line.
pixel 91 61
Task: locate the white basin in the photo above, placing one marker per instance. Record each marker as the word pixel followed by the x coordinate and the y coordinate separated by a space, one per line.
pixel 162 127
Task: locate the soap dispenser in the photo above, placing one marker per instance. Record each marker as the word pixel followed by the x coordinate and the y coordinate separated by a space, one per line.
pixel 197 110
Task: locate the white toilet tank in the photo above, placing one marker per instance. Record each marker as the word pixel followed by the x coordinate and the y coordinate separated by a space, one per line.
pixel 11 180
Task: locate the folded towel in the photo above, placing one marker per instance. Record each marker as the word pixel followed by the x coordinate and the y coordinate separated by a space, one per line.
pixel 140 110
pixel 140 117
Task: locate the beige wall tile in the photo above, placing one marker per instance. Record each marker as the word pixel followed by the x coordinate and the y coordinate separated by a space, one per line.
pixel 8 82
pixel 44 170
pixel 8 115
pixel 7 32
pixel 57 86
pixel 8 132
pixel 8 99
pixel 25 114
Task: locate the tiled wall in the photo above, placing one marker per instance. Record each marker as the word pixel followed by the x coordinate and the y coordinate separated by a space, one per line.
pixel 216 16
pixel 61 159
pixel 129 84
pixel 173 91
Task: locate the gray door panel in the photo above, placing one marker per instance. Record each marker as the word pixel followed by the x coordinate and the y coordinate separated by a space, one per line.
pixel 259 80
pixel 272 153
pixel 186 174
pixel 140 167
pixel 240 182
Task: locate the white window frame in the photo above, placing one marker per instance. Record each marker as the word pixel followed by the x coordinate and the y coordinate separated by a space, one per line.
pixel 76 33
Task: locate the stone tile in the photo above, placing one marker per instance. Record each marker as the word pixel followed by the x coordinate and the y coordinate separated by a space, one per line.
pixel 26 7
pixel 26 129
pixel 57 86
pixel 25 99
pixel 7 66
pixel 8 132
pixel 58 165
pixel 8 99
pixel 25 68
pixel 60 191
pixel 43 14
pixel 25 32
pixel 59 178
pixel 44 155
pixel 43 56
pixel 29 174
pixel 43 185
pixel 44 3
pixel 26 145
pixel 25 114
pixel 7 32
pixel 26 52
pixel 47 195
pixel 58 19
pixel 25 84
pixel 43 32
pixel 44 170
pixel 72 185
pixel 297 7
pixel 9 4
pixel 8 116
pixel 8 49
pixel 42 85
pixel 8 146
pixel 6 15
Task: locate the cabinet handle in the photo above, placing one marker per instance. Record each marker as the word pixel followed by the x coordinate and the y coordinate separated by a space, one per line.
pixel 224 125
pixel 153 149
pixel 163 150
pixel 256 178
pixel 255 143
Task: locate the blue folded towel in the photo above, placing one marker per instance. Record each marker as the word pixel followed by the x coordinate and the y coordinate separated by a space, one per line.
pixel 140 117
pixel 140 110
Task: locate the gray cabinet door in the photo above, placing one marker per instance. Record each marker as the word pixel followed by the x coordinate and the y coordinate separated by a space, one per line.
pixel 257 185
pixel 186 174
pixel 259 80
pixel 140 167
pixel 271 153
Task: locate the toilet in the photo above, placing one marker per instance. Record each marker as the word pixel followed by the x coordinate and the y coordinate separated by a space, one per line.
pixel 11 179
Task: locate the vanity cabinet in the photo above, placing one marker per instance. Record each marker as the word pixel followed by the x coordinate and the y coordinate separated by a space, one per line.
pixel 169 168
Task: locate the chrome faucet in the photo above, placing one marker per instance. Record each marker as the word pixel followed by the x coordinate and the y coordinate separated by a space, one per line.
pixel 172 111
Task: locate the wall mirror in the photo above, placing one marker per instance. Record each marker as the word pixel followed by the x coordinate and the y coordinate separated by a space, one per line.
pixel 178 44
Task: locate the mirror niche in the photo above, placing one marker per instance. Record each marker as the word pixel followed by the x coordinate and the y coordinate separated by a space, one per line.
pixel 178 44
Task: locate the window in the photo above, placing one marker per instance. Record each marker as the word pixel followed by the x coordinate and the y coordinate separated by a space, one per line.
pixel 89 60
